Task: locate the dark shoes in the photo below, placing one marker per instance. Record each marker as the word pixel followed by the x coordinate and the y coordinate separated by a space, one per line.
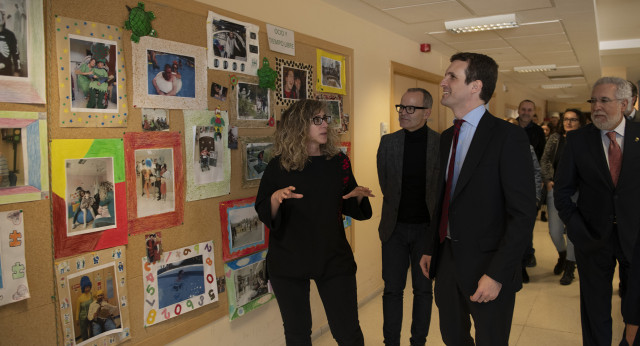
pixel 543 216
pixel 559 268
pixel 567 277
pixel 531 261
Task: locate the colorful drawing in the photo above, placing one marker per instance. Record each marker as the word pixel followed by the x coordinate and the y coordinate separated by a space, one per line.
pixel 13 266
pixel 181 281
pixel 247 286
pixel 154 169
pixel 89 197
pixel 22 71
pixel 208 156
pixel 331 73
pixel 173 75
pixel 91 74
pixel 232 45
pixel 25 175
pixel 93 300
pixel 242 232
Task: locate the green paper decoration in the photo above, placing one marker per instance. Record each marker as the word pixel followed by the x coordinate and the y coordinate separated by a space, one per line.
pixel 234 81
pixel 267 75
pixel 140 22
pixel 218 123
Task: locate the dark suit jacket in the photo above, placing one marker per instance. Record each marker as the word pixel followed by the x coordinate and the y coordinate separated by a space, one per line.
pixel 583 167
pixel 493 208
pixel 390 157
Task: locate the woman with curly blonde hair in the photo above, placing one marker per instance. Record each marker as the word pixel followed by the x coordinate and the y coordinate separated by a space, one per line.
pixel 305 190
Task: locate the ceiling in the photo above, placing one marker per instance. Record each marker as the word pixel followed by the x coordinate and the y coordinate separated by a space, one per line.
pixel 582 38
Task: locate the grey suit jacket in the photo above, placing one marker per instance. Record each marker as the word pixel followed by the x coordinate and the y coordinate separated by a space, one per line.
pixel 390 157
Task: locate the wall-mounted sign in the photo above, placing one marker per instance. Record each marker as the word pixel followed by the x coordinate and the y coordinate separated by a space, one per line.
pixel 281 40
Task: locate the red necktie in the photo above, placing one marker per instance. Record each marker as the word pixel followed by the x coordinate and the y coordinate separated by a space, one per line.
pixel 444 219
pixel 615 157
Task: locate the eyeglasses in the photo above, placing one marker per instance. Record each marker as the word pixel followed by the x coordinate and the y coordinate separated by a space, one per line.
pixel 603 100
pixel 570 120
pixel 318 120
pixel 409 109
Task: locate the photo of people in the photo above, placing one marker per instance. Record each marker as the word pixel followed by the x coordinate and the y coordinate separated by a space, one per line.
pixel 218 92
pixel 294 83
pixel 229 40
pixel 13 39
pixel 170 74
pixel 94 75
pixel 208 165
pixel 90 196
pixel 154 184
pixel 153 243
pixel 258 156
pixel 334 109
pixel 253 102
pixel 180 280
pixel 245 229
pixel 331 72
pixel 95 303
pixel 233 137
pixel 250 283
pixel 155 119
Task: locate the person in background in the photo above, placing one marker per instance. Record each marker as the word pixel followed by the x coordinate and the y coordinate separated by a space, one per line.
pixel 572 119
pixel 101 314
pixel 630 113
pixel 304 191
pixel 408 170
pixel 83 302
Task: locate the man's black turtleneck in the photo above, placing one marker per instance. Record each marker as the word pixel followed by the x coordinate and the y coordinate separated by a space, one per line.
pixel 413 205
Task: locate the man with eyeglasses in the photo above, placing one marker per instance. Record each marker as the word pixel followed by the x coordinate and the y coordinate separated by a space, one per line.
pixel 486 213
pixel 601 161
pixel 408 169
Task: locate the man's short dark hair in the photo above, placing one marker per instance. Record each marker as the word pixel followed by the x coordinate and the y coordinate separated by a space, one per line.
pixel 481 67
pixel 427 99
pixel 523 101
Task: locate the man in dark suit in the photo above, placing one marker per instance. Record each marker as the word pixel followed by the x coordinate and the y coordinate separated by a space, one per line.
pixel 630 113
pixel 487 210
pixel 601 161
pixel 408 169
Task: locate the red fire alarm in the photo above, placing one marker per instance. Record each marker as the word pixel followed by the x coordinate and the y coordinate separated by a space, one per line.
pixel 425 47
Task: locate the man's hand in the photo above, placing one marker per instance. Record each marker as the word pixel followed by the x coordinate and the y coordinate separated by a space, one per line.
pixel 631 334
pixel 425 264
pixel 488 290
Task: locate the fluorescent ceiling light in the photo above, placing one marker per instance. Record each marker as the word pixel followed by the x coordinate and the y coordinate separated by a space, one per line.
pixel 565 96
pixel 556 86
pixel 535 68
pixel 503 21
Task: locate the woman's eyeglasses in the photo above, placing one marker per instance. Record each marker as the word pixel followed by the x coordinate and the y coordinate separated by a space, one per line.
pixel 318 120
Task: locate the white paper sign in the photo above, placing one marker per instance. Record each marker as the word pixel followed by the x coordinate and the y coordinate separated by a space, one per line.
pixel 13 268
pixel 281 40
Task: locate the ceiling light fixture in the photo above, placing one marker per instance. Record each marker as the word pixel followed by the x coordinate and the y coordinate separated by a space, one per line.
pixel 556 86
pixel 535 68
pixel 503 21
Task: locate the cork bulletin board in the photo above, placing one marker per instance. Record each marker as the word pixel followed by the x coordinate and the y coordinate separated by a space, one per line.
pixel 184 22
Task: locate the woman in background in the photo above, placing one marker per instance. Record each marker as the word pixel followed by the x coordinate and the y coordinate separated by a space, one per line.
pixel 83 302
pixel 305 190
pixel 572 119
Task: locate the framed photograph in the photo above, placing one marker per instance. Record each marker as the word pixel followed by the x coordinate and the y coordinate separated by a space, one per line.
pixel 334 108
pixel 154 169
pixel 170 74
pixel 208 159
pixel 91 74
pixel 247 285
pixel 13 266
pixel 295 81
pixel 181 281
pixel 218 92
pixel 256 154
pixel 22 67
pixel 24 161
pixel 331 72
pixel 92 295
pixel 153 244
pixel 232 45
pixel 89 197
pixel 242 232
pixel 155 120
pixel 252 105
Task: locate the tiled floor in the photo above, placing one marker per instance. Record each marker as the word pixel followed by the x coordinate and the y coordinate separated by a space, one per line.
pixel 546 312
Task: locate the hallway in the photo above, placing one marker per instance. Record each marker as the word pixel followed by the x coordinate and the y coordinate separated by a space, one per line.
pixel 546 313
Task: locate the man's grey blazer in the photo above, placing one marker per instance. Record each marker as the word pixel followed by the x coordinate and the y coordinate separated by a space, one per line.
pixel 389 159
